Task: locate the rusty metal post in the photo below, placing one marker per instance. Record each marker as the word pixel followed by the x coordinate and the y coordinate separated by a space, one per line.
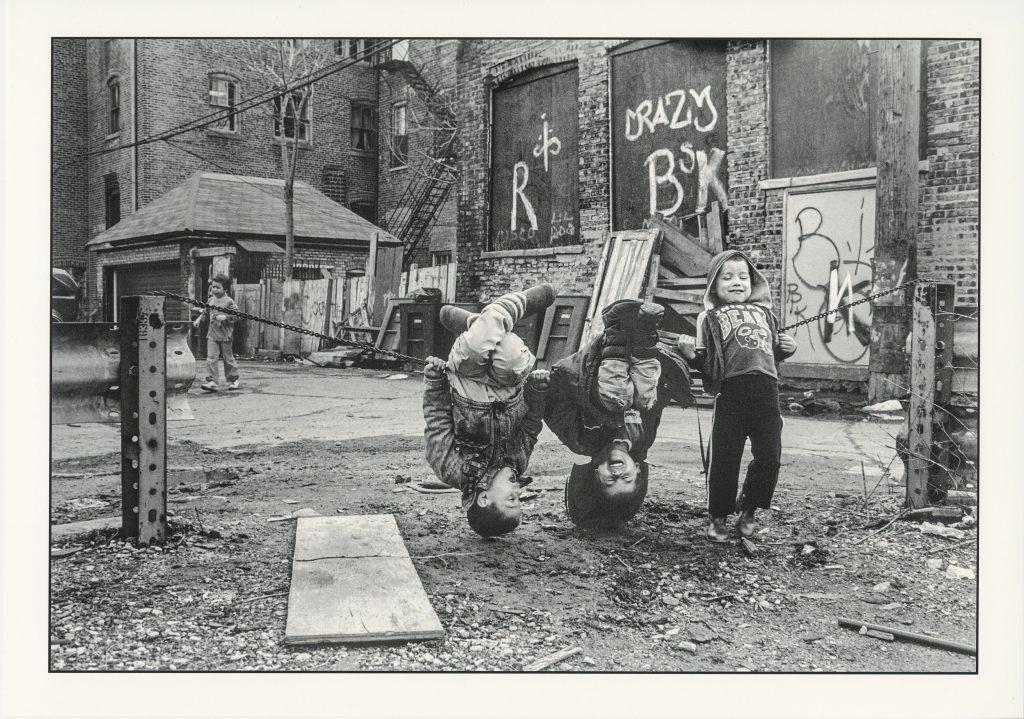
pixel 930 378
pixel 143 419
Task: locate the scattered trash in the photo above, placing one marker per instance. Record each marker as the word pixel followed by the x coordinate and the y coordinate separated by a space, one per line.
pixel 823 596
pixel 945 515
pixel 864 627
pixel 941 530
pixel 290 501
pixel 431 487
pixel 882 587
pixel 87 503
pixel 796 407
pixel 864 631
pixel 955 572
pixel 669 600
pixel 886 417
pixel 551 659
pixel 59 552
pixel 889 405
pixel 304 512
pixel 933 564
pixel 402 479
pixel 688 647
pixel 397 376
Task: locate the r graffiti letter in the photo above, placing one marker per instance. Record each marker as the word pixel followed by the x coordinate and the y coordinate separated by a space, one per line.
pixel 517 192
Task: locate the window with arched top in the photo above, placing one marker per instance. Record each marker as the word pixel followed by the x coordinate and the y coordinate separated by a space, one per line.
pixel 114 105
pixel 224 96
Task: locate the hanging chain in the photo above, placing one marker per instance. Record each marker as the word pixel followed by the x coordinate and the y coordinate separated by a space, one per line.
pixel 291 328
pixel 854 304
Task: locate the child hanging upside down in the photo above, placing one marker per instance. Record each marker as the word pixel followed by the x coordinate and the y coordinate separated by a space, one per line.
pixel 484 408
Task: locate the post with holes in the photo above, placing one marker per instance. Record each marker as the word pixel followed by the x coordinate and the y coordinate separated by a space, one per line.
pixel 143 419
pixel 930 378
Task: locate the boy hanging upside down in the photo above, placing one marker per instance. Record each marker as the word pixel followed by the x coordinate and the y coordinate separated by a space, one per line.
pixel 484 408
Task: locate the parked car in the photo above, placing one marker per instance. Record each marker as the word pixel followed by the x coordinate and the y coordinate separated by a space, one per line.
pixel 64 296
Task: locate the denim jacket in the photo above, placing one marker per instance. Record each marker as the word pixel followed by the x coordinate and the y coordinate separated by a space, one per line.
pixel 586 428
pixel 465 438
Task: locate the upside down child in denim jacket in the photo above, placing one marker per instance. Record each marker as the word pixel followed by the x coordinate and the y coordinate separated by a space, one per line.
pixel 484 408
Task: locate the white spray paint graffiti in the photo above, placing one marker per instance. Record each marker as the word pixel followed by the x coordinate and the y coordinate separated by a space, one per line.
pixel 707 176
pixel 640 119
pixel 546 144
pixel 518 194
pixel 662 163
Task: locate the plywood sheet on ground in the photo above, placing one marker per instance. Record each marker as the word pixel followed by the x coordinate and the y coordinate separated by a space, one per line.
pixel 353 581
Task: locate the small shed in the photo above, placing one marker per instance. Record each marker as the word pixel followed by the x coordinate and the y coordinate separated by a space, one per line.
pixel 217 223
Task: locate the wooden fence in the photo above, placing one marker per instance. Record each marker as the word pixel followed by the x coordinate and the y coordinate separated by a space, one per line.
pixel 325 306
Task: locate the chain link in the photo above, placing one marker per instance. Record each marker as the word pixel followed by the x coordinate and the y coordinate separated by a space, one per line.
pixel 274 323
pixel 854 304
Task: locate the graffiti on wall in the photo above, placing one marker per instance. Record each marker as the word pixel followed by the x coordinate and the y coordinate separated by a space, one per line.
pixel 829 242
pixel 535 165
pixel 669 131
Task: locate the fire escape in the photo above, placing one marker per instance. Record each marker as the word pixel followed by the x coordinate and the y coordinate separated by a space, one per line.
pixel 432 182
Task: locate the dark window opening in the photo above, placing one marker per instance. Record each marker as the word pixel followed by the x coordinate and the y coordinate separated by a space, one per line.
pixel 364 127
pixel 112 201
pixel 295 105
pixel 114 94
pixel 366 209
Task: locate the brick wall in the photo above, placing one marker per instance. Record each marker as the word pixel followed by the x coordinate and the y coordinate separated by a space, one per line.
pixel 70 140
pixel 949 202
pixel 481 64
pixel 435 59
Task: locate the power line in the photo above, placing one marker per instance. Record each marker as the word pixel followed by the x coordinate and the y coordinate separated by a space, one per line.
pixel 252 102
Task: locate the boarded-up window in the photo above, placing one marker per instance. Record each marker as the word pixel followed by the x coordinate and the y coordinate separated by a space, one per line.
pixel 669 130
pixel 822 106
pixel 534 160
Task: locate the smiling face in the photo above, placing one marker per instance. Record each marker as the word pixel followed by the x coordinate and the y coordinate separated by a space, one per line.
pixel 503 494
pixel 617 474
pixel 732 283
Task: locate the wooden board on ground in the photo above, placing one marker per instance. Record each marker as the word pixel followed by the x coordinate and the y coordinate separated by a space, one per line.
pixel 353 582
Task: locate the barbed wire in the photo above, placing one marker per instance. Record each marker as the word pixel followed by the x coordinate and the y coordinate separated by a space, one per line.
pixel 854 304
pixel 292 328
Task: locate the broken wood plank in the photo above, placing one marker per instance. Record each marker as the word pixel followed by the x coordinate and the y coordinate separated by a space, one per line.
pixel 551 659
pixel 354 582
pixel 689 296
pixel 910 636
pixel 680 250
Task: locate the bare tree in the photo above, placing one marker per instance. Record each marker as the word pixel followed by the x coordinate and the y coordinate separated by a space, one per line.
pixel 285 65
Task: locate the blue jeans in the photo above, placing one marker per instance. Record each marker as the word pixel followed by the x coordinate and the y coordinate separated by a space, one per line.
pixel 489 362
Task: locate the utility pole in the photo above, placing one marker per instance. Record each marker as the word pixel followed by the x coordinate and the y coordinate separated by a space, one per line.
pixel 897 127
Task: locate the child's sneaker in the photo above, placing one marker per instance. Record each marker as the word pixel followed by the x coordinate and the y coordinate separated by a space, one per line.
pixel 746 525
pixel 717 531
pixel 210 386
pixel 233 385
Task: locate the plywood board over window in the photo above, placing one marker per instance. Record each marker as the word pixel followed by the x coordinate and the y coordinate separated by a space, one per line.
pixel 669 130
pixel 535 160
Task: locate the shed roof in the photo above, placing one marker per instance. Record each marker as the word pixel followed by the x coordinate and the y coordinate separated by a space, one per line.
pixel 231 205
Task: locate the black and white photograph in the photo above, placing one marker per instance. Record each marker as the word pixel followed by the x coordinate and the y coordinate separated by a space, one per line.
pixel 506 352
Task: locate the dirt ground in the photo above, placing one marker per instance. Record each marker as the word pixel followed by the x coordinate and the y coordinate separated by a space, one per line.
pixel 653 596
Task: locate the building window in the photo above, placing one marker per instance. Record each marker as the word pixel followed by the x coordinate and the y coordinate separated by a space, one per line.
pixel 294 105
pixel 106 54
pixel 111 200
pixel 114 95
pixel 224 94
pixel 535 160
pixel 366 209
pixel 441 258
pixel 364 127
pixel 356 47
pixel 399 135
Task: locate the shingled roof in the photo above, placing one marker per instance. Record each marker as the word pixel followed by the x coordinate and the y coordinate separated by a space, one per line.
pixel 213 204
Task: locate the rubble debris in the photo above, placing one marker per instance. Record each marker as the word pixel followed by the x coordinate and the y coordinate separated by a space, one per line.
pixel 545 662
pixel 909 636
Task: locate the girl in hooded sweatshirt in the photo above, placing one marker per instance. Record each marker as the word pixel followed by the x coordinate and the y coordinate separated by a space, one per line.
pixel 738 348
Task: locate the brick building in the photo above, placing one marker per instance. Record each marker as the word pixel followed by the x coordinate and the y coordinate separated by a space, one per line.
pixel 563 141
pixel 111 93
